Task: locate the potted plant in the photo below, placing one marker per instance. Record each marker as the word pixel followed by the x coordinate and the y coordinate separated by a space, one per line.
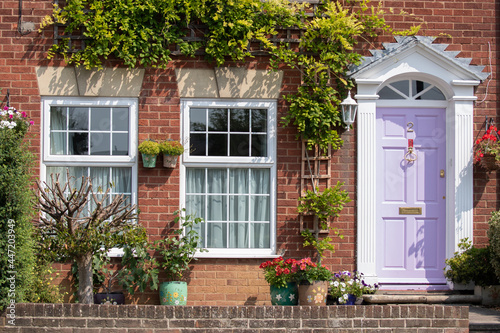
pixel 313 282
pixel 171 150
pixel 279 273
pixel 149 150
pixel 348 287
pixel 177 251
pixel 487 149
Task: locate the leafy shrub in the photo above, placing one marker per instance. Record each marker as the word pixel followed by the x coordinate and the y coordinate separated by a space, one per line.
pixel 471 264
pixel 494 236
pixel 149 147
pixel 16 201
pixel 171 147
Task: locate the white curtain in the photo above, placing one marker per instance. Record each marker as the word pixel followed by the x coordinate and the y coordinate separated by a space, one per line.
pixel 58 123
pixel 234 199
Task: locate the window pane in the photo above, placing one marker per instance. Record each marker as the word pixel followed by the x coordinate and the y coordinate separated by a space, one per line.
pixel 259 145
pixel 78 144
pixel 259 208
pixel 58 143
pixel 100 119
pixel 259 120
pixel 433 94
pixel 99 144
pixel 198 144
pixel 388 93
pixel 259 181
pixel 195 205
pixel 120 119
pixel 122 180
pixel 238 235
pixel 238 208
pixel 217 180
pixel 217 145
pixel 238 181
pixel 260 235
pixel 402 86
pixel 57 118
pixel 239 145
pixel 195 180
pixel 100 179
pixel 216 208
pixel 78 119
pixel 198 119
pixel 217 235
pixel 200 229
pixel 120 144
pixel 240 121
pixel 217 120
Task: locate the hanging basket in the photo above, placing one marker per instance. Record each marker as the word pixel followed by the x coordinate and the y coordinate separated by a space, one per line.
pixel 148 161
pixel 169 161
pixel 489 162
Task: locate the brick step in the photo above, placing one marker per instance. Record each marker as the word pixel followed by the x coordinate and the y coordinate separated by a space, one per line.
pixel 426 298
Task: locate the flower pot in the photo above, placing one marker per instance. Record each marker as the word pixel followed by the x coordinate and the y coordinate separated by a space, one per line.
pixel 489 162
pixel 169 161
pixel 173 293
pixel 351 300
pixel 116 298
pixel 313 294
pixel 148 161
pixel 288 295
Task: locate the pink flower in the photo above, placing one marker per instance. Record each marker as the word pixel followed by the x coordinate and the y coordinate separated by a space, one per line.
pixel 24 114
pixel 11 116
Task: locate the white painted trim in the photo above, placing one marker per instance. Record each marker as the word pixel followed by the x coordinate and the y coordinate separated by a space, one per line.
pixel 459 124
pixel 268 162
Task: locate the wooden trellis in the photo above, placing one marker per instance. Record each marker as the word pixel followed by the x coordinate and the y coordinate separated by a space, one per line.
pixel 316 172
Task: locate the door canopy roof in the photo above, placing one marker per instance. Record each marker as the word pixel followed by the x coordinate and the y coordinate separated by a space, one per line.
pixel 417 54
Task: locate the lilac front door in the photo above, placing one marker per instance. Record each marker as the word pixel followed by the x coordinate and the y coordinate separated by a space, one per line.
pixel 410 196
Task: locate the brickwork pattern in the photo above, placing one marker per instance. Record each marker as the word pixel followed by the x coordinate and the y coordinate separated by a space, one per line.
pixel 470 27
pixel 73 318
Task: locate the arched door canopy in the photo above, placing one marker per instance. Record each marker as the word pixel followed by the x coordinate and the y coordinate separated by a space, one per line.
pixel 416 58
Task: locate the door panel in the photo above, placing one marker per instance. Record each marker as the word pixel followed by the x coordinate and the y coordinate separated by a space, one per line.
pixel 410 196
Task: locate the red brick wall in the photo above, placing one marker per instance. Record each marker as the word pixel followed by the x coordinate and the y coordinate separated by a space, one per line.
pixel 467 26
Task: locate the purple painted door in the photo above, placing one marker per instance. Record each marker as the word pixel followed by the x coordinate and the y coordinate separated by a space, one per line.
pixel 411 196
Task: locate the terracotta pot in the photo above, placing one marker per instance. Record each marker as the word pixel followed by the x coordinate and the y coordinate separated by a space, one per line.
pixel 313 294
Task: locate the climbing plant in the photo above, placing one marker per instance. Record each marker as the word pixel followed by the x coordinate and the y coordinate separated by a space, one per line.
pixel 147 32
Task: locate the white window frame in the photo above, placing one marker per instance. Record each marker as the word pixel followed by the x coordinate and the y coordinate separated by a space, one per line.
pixel 129 160
pixel 268 162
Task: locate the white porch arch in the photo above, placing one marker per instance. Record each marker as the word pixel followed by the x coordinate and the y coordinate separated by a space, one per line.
pixel 416 58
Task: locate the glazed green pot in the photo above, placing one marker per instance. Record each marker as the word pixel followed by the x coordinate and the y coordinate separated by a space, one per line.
pixel 288 295
pixel 148 161
pixel 173 293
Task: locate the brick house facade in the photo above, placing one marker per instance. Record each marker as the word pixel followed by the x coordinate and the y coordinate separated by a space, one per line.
pixel 159 99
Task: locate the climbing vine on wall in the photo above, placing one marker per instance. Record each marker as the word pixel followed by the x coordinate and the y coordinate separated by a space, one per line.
pixel 149 32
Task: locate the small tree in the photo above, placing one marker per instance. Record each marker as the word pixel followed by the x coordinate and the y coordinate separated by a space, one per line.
pixel 76 222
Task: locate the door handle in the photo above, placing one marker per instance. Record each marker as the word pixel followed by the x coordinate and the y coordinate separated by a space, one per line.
pixel 441 173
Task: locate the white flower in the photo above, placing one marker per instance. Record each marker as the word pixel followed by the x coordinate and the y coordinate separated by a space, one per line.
pixel 350 282
pixel 12 124
pixel 345 296
pixel 336 283
pixel 342 284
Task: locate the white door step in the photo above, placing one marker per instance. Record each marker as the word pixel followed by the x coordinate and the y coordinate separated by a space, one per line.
pixel 421 299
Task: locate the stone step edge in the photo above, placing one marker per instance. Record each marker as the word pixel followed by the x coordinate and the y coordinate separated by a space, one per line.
pixel 426 299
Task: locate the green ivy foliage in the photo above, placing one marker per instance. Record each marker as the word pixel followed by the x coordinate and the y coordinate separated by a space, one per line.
pixel 16 229
pixel 145 32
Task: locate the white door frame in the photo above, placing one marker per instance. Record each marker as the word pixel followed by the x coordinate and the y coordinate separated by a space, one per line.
pixel 421 61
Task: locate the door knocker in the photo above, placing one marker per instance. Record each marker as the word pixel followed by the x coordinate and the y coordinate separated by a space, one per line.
pixel 411 155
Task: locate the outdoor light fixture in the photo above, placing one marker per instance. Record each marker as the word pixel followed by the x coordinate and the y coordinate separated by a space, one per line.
pixel 349 108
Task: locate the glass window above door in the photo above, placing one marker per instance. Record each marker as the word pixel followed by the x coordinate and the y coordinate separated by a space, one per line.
pixel 411 90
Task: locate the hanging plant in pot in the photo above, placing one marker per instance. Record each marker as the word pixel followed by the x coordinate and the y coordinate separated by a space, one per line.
pixel 149 150
pixel 171 150
pixel 279 273
pixel 177 251
pixel 487 149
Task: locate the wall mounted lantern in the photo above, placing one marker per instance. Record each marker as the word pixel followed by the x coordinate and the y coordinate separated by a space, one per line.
pixel 349 108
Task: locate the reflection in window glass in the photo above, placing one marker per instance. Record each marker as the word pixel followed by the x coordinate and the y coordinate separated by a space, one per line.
pixel 420 90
